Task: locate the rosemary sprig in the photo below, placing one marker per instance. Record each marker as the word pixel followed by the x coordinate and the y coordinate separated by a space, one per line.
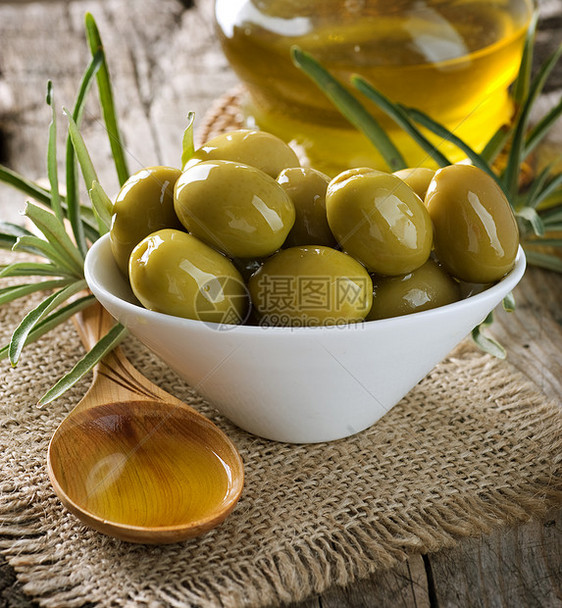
pixel 54 320
pixel 517 152
pixel 105 345
pixel 106 101
pixel 52 172
pixel 75 212
pixel 101 203
pixel 37 314
pixel 62 256
pixel 486 343
pixel 350 107
pixel 538 208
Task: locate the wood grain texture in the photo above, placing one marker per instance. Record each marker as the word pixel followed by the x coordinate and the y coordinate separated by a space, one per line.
pixel 166 61
pixel 162 439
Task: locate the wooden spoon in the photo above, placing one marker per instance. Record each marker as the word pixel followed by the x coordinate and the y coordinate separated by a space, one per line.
pixel 136 463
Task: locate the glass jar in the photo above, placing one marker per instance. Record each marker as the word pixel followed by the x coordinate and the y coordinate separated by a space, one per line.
pixel 452 59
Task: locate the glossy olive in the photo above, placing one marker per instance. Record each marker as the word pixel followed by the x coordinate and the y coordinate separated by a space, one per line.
pixel 311 286
pixel 144 204
pixel 380 221
pixel 418 178
pixel 235 208
pixel 471 289
pixel 476 235
pixel 426 287
pixel 248 266
pixel 255 148
pixel 345 175
pixel 307 189
pixel 173 272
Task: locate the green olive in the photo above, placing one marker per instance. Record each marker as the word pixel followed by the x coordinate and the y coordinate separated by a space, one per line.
pixel 307 189
pixel 417 178
pixel 248 266
pixel 471 289
pixel 380 221
pixel 476 235
pixel 144 204
pixel 311 286
pixel 173 272
pixel 237 209
pixel 429 286
pixel 345 175
pixel 255 148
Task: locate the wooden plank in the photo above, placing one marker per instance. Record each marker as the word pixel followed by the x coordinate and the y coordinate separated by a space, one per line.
pixel 404 586
pixel 534 331
pixel 520 566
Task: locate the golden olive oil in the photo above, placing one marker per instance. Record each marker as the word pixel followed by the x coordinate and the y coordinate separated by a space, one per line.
pixel 141 470
pixel 454 60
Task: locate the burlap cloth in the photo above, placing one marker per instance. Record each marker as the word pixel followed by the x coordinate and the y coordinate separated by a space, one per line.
pixel 474 446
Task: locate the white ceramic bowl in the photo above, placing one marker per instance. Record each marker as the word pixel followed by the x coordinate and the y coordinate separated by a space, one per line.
pixel 297 385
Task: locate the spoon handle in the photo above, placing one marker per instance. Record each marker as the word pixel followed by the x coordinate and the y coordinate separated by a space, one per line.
pixel 92 324
pixel 115 379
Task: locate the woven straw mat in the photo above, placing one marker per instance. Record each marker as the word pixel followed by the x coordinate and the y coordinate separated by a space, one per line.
pixel 472 447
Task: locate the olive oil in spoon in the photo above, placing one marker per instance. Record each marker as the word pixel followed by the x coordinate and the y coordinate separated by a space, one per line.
pixel 134 462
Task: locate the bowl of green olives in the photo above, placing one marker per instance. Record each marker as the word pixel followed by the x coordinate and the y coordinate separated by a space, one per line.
pixel 303 307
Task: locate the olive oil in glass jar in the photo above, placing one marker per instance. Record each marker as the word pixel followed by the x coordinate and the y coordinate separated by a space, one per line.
pixel 452 59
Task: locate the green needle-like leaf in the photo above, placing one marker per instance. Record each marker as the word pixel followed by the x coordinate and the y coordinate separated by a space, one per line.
pixel 530 198
pixel 28 323
pixel 401 118
pixel 33 269
pixel 496 144
pixel 187 147
pixel 27 186
pixel 40 247
pixel 86 364
pixel 53 320
pixel 440 130
pixel 544 260
pixel 7 241
pixel 486 343
pixel 529 215
pixel 509 302
pixel 88 170
pixel 350 107
pixel 550 188
pixel 14 292
pixel 542 128
pixel 75 210
pixel 84 159
pixel 102 206
pixel 13 229
pixel 522 82
pixel 546 242
pixel 106 101
pixel 9 234
pixel 511 173
pixel 53 230
pixel 52 169
pixel 43 196
pixel 553 215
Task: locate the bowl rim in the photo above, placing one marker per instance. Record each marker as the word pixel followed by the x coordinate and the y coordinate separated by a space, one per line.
pixel 503 286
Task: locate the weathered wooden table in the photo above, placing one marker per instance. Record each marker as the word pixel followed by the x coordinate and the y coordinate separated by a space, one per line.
pixel 166 61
